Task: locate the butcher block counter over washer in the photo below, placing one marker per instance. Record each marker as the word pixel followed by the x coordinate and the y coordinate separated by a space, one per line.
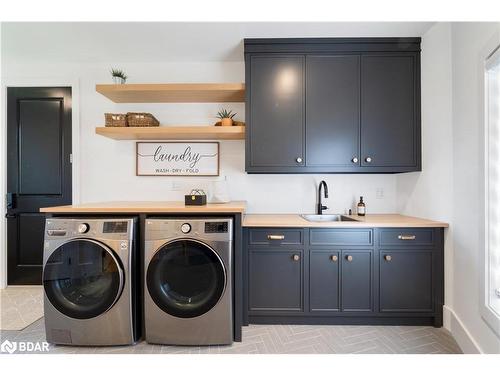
pixel 140 207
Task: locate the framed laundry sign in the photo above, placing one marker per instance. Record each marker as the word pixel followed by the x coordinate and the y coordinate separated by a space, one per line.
pixel 177 158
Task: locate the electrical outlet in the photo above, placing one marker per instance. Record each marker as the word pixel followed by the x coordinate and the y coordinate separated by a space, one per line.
pixel 379 193
pixel 176 186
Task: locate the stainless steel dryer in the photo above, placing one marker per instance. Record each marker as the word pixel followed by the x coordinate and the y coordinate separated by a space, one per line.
pixel 89 280
pixel 188 281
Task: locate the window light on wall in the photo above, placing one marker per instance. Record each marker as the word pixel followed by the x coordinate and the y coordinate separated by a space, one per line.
pixel 491 283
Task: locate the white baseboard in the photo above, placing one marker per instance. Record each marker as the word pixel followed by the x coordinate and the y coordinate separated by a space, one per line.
pixel 459 332
pixel 447 318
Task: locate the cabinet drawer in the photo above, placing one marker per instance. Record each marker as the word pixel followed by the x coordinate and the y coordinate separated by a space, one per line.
pixel 341 237
pixel 406 237
pixel 275 237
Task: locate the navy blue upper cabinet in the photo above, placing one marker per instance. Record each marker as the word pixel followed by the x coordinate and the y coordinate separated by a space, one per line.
pixel 277 106
pixel 332 111
pixel 332 105
pixel 389 128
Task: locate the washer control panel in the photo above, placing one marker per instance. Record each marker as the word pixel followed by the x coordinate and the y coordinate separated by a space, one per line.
pixel 113 229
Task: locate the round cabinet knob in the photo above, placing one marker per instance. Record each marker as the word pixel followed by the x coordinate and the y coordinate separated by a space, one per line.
pixel 83 228
pixel 334 258
pixel 368 159
pixel 388 258
pixel 298 160
pixel 296 257
pixel 185 228
pixel 349 258
pixel 354 159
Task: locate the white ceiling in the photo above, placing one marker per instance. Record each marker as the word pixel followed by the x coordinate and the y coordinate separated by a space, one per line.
pixel 182 41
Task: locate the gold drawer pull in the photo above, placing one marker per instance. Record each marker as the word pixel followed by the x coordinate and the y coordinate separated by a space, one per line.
pixel 387 258
pixel 296 257
pixel 334 258
pixel 349 258
pixel 275 237
pixel 406 237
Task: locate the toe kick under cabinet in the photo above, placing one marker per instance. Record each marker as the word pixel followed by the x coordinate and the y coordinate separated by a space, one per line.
pixel 343 276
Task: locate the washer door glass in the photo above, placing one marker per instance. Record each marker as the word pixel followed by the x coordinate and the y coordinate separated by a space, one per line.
pixel 186 278
pixel 83 279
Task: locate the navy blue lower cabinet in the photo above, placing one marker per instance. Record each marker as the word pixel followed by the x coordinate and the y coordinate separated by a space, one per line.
pixel 275 280
pixel 324 280
pixel 385 276
pixel 406 280
pixel 357 280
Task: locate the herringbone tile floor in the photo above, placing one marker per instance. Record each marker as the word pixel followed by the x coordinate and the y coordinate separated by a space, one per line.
pixel 286 339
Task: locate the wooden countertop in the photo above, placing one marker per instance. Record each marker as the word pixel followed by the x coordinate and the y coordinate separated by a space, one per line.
pixel 375 220
pixel 147 207
pixel 250 220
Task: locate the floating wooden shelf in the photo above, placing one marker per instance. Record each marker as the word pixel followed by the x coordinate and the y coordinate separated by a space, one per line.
pixel 174 92
pixel 172 132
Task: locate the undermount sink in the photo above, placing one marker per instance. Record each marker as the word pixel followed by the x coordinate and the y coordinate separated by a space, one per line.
pixel 326 218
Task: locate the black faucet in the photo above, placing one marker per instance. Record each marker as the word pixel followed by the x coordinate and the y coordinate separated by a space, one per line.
pixel 320 205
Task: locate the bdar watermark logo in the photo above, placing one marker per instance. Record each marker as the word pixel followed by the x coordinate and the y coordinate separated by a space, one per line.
pixel 8 347
pixel 23 346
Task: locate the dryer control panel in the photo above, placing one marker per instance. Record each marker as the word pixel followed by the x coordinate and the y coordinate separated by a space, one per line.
pixel 204 229
pixel 216 227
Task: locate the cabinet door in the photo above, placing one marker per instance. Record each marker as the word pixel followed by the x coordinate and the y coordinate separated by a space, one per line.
pixel 357 280
pixel 324 280
pixel 388 111
pixel 405 280
pixel 332 111
pixel 275 280
pixel 276 105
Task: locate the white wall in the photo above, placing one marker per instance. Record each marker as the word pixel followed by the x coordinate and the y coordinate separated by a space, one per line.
pixel 108 167
pixel 471 43
pixel 449 188
pixel 429 193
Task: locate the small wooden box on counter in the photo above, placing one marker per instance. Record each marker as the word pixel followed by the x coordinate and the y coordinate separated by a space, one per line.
pixel 195 200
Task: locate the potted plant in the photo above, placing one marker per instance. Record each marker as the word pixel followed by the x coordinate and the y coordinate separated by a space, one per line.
pixel 226 118
pixel 119 76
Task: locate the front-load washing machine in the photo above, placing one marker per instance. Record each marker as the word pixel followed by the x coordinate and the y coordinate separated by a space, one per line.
pixel 188 281
pixel 90 277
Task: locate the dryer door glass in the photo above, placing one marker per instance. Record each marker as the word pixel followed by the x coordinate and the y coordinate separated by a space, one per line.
pixel 186 278
pixel 83 278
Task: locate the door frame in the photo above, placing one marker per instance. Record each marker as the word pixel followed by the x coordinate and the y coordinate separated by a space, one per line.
pixel 72 82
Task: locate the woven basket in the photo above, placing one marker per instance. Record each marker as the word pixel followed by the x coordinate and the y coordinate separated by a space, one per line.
pixel 115 119
pixel 141 119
